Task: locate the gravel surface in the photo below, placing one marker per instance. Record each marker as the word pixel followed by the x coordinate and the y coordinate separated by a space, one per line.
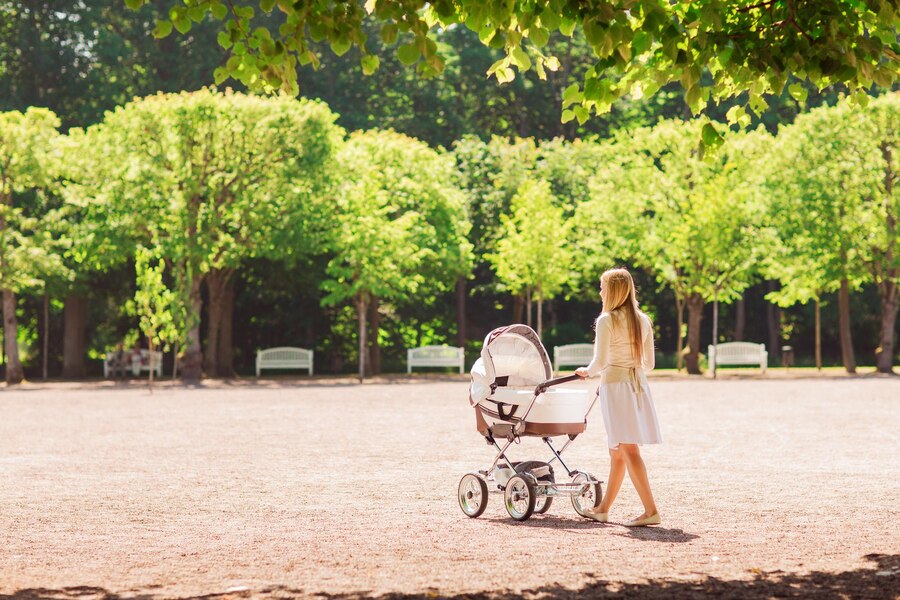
pixel 767 487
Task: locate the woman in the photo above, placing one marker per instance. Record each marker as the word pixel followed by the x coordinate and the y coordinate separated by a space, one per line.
pixel 623 352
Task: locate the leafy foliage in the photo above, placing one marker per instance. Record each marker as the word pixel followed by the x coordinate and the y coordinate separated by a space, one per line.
pixel 638 45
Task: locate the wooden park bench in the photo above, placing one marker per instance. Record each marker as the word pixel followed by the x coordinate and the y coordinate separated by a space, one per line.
pixel 579 355
pixel 284 357
pixel 435 356
pixel 738 353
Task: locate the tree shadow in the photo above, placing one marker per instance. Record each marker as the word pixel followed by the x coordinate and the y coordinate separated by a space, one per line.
pixel 879 582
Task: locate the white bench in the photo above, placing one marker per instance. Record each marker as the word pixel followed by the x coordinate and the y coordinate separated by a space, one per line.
pixel 137 362
pixel 435 356
pixel 738 353
pixel 572 354
pixel 284 357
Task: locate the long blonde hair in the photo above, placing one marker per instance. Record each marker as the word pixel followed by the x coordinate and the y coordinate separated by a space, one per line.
pixel 620 296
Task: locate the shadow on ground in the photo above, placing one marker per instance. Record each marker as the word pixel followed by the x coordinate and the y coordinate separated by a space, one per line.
pixel 881 581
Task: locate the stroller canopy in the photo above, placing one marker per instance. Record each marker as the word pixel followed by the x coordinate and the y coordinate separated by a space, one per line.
pixel 512 356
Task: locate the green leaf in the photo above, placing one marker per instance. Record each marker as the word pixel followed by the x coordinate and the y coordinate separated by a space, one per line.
pixel 389 33
pixel 134 4
pixel 572 94
pixel 550 18
pixel 567 26
pixel 539 36
pixel 183 25
pixel 641 42
pixel 163 28
pixel 267 5
pixel 567 115
pixel 408 54
pixel 710 135
pixel 224 39
pixel 218 10
pixel 340 45
pixel 552 63
pixel 520 59
pixel 798 92
pixel 369 64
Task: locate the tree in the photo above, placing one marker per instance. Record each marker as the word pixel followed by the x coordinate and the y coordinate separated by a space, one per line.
pixel 637 46
pixel 399 226
pixel 156 306
pixel 691 222
pixel 28 252
pixel 835 208
pixel 533 253
pixel 214 178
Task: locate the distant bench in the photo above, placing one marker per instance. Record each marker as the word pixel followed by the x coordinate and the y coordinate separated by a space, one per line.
pixel 284 357
pixel 134 361
pixel 572 354
pixel 435 356
pixel 738 353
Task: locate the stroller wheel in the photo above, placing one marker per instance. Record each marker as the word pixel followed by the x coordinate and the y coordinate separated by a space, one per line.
pixel 543 473
pixel 542 504
pixel 520 497
pixel 590 497
pixel 473 495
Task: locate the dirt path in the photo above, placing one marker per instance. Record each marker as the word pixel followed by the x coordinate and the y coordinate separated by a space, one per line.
pixel 764 486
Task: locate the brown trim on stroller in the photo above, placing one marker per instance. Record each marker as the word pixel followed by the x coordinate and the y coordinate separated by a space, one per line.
pixel 531 429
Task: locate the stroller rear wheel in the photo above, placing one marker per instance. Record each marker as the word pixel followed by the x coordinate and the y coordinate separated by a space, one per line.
pixel 543 472
pixel 473 495
pixel 520 497
pixel 590 497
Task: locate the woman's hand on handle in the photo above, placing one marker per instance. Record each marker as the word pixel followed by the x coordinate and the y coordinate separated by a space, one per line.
pixel 582 372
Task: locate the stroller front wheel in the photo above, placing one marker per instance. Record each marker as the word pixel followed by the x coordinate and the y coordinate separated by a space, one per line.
pixel 590 497
pixel 473 495
pixel 520 497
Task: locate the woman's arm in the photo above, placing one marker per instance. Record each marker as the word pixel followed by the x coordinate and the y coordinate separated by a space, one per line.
pixel 602 337
pixel 649 358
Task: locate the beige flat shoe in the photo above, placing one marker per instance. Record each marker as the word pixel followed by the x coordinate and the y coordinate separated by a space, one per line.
pixel 597 516
pixel 651 520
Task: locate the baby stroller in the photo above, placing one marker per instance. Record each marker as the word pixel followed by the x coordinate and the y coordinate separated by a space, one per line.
pixel 512 397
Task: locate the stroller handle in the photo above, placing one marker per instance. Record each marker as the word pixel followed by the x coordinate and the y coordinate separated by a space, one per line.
pixel 542 387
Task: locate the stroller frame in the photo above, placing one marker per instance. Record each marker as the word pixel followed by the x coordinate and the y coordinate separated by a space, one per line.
pixel 529 486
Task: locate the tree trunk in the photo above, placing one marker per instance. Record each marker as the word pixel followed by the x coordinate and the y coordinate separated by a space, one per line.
pixel 773 324
pixel 374 348
pixel 46 335
pixel 152 363
pixel 192 362
pixel 818 335
pixel 695 316
pixel 679 337
pixel 226 329
pixel 216 284
pixel 518 308
pixel 74 311
pixel 14 372
pixel 461 312
pixel 528 306
pixel 540 316
pixel 847 355
pixel 361 309
pixel 740 321
pixel 884 356
pixel 715 327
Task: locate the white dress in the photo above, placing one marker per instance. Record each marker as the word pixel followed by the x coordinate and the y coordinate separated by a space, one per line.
pixel 628 410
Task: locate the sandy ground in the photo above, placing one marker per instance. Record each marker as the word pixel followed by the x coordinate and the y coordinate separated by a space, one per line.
pixel 768 487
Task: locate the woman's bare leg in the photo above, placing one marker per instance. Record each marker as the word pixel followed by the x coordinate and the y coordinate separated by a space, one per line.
pixel 638 474
pixel 614 482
